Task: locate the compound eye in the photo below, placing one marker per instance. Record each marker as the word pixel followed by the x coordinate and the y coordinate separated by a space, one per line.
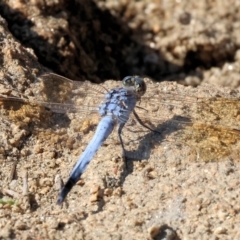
pixel 127 78
pixel 127 81
pixel 141 87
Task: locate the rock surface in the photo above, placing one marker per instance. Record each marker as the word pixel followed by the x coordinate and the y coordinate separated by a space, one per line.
pixel 170 193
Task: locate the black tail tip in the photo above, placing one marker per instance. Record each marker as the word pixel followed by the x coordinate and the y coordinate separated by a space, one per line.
pixel 62 195
pixel 60 200
pixel 65 190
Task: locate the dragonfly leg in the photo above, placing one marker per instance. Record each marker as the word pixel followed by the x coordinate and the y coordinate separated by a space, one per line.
pixel 121 141
pixel 144 125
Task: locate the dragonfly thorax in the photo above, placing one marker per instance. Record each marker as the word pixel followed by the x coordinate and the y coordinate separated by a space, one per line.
pixel 119 103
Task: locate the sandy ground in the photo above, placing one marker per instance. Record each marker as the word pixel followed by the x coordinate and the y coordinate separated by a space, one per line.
pixel 180 184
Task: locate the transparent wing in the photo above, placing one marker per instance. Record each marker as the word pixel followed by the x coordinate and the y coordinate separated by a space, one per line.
pixel 58 94
pixel 61 95
pixel 167 102
pixel 64 95
pixel 208 124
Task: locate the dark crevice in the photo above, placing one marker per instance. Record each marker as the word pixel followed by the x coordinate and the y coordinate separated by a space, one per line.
pixel 80 41
pixel 93 46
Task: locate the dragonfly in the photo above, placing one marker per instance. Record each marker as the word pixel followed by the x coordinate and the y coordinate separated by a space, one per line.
pixel 64 95
pixel 209 125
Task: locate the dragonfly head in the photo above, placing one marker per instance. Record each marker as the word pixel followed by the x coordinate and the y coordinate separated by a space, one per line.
pixel 135 83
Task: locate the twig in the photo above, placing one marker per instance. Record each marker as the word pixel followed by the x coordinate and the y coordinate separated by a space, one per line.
pixel 25 183
pixel 13 171
pixel 58 182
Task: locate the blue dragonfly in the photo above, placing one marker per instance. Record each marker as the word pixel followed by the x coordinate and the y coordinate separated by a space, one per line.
pixel 63 95
pixel 207 124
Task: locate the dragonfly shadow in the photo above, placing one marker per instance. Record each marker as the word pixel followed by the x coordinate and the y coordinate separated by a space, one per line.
pixel 151 140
